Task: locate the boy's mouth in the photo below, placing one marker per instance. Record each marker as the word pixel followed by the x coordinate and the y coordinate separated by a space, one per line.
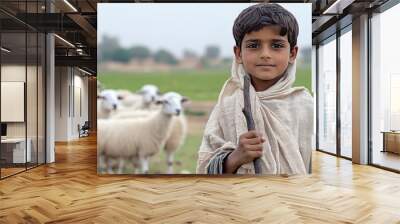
pixel 265 65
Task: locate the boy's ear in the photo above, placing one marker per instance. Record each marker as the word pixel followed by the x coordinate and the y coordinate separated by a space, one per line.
pixel 238 54
pixel 293 54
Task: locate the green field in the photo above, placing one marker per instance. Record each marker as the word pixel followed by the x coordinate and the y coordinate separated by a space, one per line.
pixel 198 86
pixel 185 158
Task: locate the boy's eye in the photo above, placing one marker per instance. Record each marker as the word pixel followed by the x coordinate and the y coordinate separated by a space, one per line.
pixel 276 45
pixel 253 45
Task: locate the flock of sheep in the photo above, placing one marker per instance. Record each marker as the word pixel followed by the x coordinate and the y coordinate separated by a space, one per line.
pixel 133 127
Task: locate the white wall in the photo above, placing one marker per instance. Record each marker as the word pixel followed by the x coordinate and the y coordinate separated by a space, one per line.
pixel 33 126
pixel 12 73
pixel 71 94
pixel 61 103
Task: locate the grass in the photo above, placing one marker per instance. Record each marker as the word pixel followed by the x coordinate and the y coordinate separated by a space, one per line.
pixel 199 85
pixel 185 158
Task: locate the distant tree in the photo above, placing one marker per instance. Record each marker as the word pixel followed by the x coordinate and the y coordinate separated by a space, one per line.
pixel 140 52
pixel 227 60
pixel 212 52
pixel 107 47
pixel 121 55
pixel 109 43
pixel 189 54
pixel 305 54
pixel 204 62
pixel 164 56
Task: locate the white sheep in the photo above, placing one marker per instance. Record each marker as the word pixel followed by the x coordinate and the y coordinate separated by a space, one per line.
pixel 107 102
pixel 99 87
pixel 138 138
pixel 129 99
pixel 150 94
pixel 175 138
pixel 142 99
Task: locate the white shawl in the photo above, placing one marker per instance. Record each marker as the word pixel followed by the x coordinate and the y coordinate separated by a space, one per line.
pixel 282 113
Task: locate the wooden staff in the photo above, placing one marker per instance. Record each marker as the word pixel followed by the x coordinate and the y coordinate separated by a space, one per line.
pixel 249 117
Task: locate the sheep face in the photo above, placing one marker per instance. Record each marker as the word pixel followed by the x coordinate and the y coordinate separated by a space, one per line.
pixel 172 103
pixel 123 94
pixel 150 93
pixel 109 100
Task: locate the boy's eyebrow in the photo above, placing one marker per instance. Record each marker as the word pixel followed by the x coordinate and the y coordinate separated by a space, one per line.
pixel 278 40
pixel 274 40
pixel 253 40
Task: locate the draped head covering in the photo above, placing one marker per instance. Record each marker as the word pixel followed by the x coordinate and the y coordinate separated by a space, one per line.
pixel 282 151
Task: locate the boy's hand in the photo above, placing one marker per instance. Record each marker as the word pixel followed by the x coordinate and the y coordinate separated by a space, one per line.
pixel 250 148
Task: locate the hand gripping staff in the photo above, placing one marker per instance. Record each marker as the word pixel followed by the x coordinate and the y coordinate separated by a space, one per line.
pixel 249 117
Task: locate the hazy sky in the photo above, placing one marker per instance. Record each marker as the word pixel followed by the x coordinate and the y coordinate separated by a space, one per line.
pixel 179 26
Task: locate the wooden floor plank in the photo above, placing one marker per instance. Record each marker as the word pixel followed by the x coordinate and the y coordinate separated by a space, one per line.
pixel 70 191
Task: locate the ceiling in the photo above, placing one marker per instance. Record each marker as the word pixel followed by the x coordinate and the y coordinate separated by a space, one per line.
pixel 76 22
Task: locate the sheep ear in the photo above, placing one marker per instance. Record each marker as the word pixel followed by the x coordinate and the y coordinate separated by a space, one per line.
pixel 100 97
pixel 159 101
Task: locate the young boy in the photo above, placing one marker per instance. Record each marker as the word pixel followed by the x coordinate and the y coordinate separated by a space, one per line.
pixel 266 50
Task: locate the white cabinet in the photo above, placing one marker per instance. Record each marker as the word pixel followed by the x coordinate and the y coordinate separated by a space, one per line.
pixel 18 149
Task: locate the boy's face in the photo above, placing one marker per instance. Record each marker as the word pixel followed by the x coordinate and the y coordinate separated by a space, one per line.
pixel 265 54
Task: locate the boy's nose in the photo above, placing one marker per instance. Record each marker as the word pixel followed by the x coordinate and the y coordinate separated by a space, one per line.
pixel 265 53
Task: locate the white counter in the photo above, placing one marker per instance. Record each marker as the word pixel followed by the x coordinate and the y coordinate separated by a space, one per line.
pixel 18 145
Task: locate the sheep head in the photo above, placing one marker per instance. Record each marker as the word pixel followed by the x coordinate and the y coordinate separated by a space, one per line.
pixel 150 93
pixel 171 103
pixel 109 100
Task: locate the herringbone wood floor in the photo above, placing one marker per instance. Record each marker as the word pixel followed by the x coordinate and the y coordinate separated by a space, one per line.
pixel 70 191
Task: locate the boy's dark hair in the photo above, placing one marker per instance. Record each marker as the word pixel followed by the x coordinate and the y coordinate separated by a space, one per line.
pixel 258 16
